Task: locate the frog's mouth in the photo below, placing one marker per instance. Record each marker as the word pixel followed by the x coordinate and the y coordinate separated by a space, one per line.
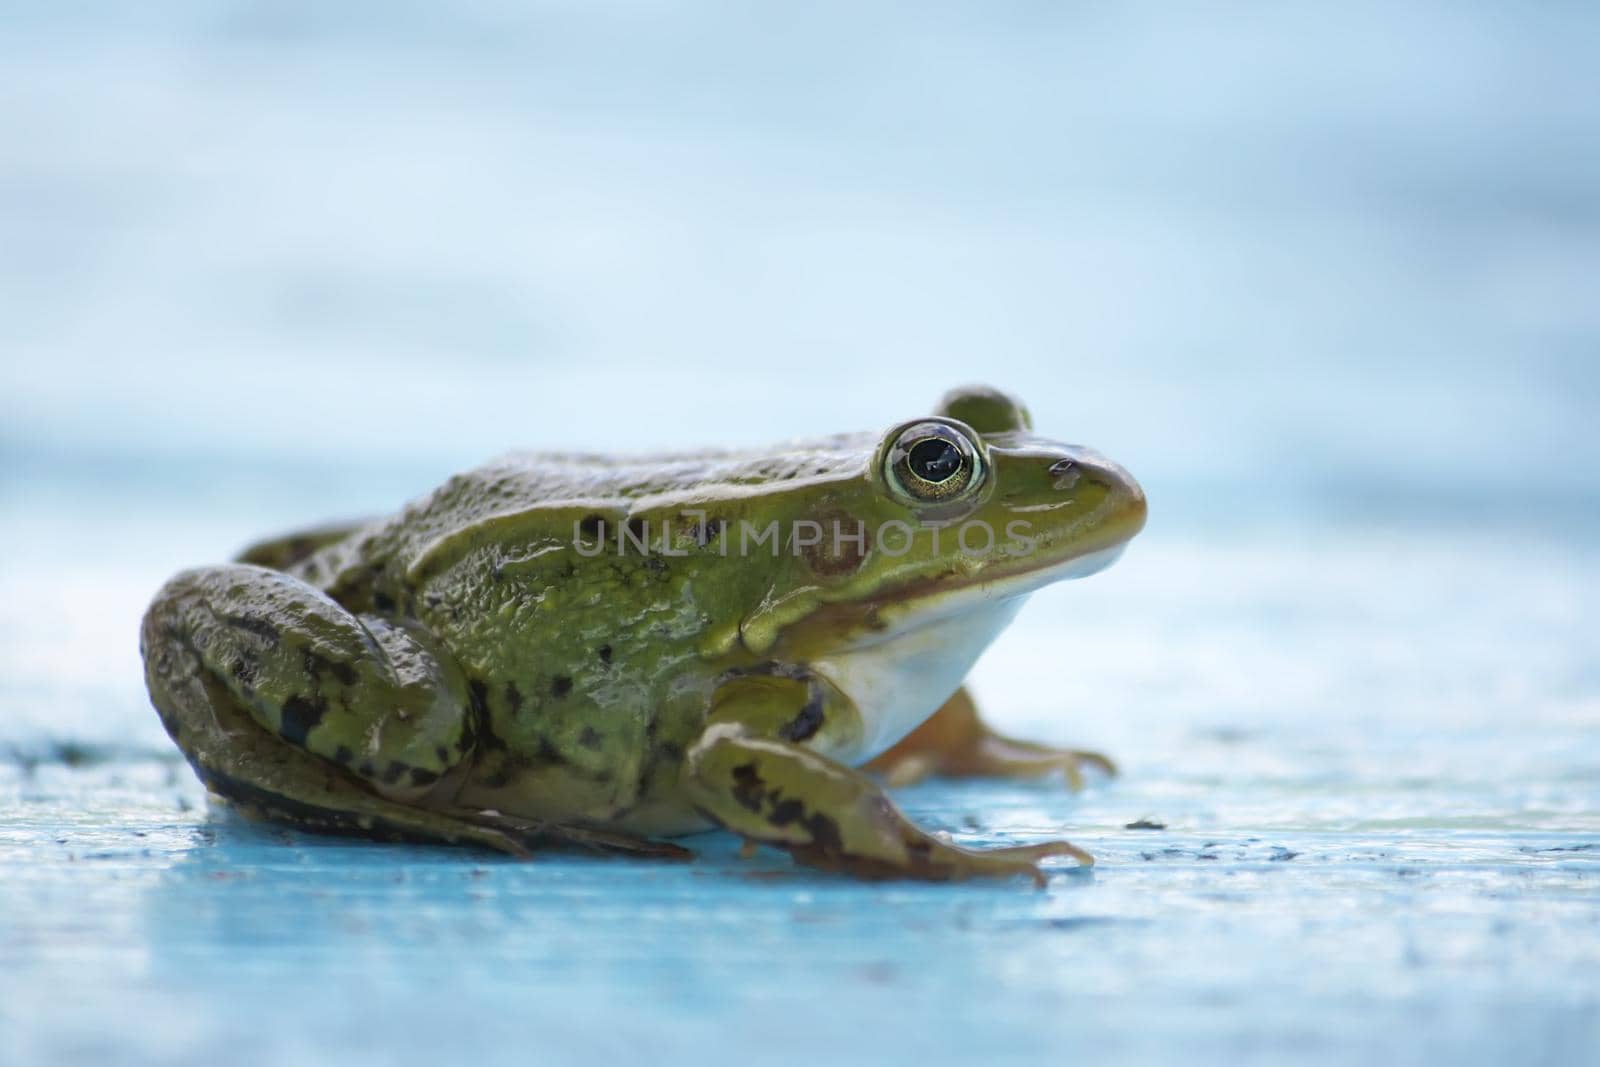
pixel 922 607
pixel 934 603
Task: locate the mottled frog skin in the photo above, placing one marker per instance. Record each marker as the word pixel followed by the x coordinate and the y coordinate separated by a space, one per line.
pixel 603 650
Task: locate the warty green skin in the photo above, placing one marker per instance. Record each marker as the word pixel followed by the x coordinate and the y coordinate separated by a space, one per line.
pixel 596 672
pixel 541 664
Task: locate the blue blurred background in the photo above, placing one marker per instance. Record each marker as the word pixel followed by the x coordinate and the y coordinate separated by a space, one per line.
pixel 1326 278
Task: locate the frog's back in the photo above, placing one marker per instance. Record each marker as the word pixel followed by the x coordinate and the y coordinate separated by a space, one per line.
pixel 533 482
pixel 531 478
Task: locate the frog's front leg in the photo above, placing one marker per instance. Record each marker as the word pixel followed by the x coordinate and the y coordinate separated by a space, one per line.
pixel 956 743
pixel 294 708
pixel 752 773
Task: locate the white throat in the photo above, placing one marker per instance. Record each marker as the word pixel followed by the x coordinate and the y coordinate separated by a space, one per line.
pixel 898 682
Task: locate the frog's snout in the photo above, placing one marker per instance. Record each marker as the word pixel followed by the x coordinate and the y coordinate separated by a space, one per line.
pixel 1123 497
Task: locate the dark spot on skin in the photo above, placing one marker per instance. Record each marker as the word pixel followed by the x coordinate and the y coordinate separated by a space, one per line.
pixel 343 756
pixel 592 528
pixel 258 626
pixel 561 685
pixel 605 655
pixel 647 766
pixel 509 768
pixel 748 787
pixel 383 602
pixel 300 717
pixel 807 722
pixel 590 738
pixel 487 738
pixel 709 530
pixel 549 753
pixel 316 665
pixel 785 812
pixel 513 697
pixel 656 566
pixel 443 754
pixel 247 671
pixel 423 776
pixel 824 833
pixel 810 718
pixel 482 732
pixel 366 769
pixel 670 749
pixel 394 772
pixel 750 792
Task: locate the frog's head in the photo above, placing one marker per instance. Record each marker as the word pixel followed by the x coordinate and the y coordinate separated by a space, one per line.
pixel 964 512
pixel 923 546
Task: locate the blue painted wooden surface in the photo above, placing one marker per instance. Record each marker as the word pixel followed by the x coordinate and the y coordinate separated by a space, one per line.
pixel 1371 851
pixel 1324 280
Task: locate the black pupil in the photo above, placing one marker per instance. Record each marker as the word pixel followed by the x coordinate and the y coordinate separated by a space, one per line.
pixel 933 459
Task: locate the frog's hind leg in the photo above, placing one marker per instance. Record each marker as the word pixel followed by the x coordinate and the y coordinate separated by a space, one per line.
pixel 300 711
pixel 264 777
pixel 956 743
pixel 296 710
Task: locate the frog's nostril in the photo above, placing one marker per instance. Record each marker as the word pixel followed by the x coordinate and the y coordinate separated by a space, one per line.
pixel 1065 474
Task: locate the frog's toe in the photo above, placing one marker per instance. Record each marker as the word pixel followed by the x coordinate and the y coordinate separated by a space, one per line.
pixel 1104 764
pixel 1028 856
pixel 1012 759
pixel 931 859
pixel 1010 861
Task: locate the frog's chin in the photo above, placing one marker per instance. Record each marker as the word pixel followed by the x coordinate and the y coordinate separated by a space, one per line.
pixel 902 672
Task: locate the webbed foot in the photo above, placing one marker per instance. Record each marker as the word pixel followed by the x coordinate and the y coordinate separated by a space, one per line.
pixel 955 743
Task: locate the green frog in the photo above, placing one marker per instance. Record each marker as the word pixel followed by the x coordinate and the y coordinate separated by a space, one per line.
pixel 609 651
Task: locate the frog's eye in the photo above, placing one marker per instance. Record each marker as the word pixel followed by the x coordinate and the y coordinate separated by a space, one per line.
pixel 933 462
